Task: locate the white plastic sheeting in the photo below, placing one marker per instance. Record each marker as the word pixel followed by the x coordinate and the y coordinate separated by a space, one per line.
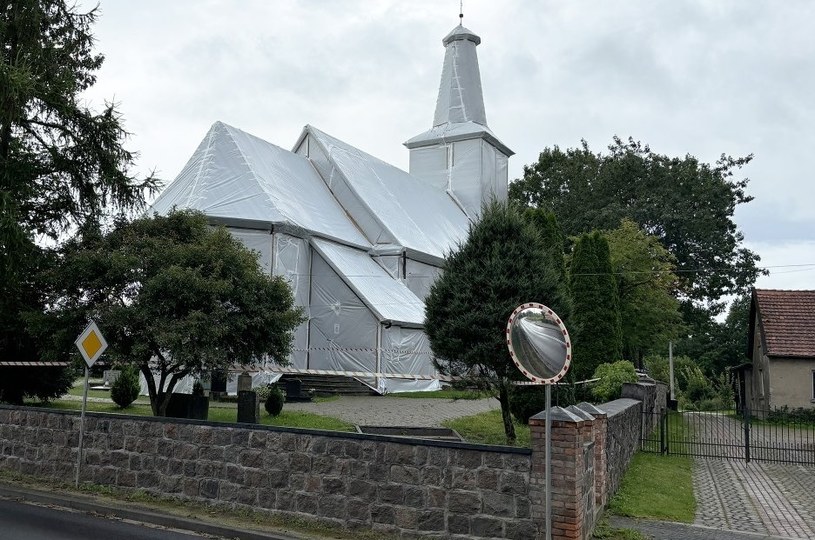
pixel 292 261
pixel 420 277
pixel 184 386
pixel 460 153
pixel 389 299
pixel 238 176
pixel 409 212
pixel 406 350
pixel 342 330
pixel 475 171
pixel 260 241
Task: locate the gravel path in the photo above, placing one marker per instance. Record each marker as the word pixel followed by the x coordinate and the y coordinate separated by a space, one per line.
pixel 378 410
pixel 394 411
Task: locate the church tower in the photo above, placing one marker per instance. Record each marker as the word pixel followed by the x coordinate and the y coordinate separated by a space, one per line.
pixel 460 154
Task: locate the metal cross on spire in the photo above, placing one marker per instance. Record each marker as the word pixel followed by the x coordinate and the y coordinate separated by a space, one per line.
pixel 461 12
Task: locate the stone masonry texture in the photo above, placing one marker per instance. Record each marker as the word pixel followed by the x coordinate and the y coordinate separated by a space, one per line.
pixel 404 487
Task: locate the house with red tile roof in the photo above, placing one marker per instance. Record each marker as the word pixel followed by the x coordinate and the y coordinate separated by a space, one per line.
pixel 781 346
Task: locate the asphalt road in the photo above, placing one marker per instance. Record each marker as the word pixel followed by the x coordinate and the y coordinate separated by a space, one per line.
pixel 20 521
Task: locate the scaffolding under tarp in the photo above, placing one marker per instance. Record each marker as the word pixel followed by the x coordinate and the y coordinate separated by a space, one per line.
pixel 359 240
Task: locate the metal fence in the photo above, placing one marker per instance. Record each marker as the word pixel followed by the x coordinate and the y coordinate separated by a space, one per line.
pixel 746 436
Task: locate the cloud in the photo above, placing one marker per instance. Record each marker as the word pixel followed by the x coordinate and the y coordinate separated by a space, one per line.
pixel 698 77
pixel 791 264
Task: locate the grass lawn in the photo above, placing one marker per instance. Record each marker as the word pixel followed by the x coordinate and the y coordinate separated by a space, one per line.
pixel 603 531
pixel 79 390
pixel 218 413
pixel 488 428
pixel 447 393
pixel 657 486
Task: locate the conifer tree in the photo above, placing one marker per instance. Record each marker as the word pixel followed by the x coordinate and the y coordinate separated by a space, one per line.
pixel 501 265
pixel 63 166
pixel 596 333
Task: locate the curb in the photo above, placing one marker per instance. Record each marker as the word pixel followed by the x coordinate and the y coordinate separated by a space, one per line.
pixel 84 504
pixel 689 530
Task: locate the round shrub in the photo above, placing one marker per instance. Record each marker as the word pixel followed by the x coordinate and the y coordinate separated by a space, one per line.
pixel 274 401
pixel 612 377
pixel 126 387
pixel 526 401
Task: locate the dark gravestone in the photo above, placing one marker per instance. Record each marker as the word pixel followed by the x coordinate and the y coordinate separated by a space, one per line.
pixel 188 406
pixel 248 407
pixel 218 379
pixel 294 387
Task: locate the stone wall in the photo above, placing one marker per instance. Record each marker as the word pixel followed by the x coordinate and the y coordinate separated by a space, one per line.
pixel 624 421
pixel 389 484
pixel 408 487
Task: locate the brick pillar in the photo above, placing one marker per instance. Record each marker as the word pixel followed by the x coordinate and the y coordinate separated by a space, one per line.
pixel 572 473
pixel 600 463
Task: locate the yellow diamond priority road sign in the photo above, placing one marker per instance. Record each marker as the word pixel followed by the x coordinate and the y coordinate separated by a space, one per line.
pixel 91 344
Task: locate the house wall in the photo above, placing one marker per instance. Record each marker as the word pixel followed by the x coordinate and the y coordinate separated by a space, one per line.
pixel 760 380
pixel 791 382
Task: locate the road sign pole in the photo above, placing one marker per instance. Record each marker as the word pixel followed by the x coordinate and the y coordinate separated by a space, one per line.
pixel 548 466
pixel 81 429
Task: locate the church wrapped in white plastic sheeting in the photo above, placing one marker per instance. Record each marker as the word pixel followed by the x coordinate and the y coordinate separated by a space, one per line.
pixel 359 240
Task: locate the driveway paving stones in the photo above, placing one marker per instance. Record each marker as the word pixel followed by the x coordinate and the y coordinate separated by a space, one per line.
pixel 768 498
pixel 742 501
pixel 663 530
pixel 394 411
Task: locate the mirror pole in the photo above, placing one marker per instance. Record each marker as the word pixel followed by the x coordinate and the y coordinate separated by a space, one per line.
pixel 548 466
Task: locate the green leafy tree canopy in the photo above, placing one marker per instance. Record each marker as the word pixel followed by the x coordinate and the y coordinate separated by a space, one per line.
pixel 686 204
pixel 172 296
pixel 643 270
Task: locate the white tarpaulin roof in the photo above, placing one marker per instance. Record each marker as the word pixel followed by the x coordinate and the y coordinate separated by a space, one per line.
pixel 238 176
pixel 388 298
pixel 418 216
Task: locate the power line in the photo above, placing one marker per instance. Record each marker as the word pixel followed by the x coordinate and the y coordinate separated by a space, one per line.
pixel 803 267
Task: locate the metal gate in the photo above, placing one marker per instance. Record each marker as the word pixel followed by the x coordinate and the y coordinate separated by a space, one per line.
pixel 746 436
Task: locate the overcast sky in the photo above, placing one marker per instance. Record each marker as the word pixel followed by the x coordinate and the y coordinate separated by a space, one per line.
pixel 695 77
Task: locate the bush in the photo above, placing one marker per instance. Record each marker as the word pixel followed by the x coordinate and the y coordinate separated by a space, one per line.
pixel 612 377
pixel 263 392
pixel 698 386
pixel 526 401
pixel 658 368
pixel 126 387
pixel 785 415
pixel 714 404
pixel 274 401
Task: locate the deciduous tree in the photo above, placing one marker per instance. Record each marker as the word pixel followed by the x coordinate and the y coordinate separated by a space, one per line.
pixel 646 284
pixel 173 297
pixel 688 205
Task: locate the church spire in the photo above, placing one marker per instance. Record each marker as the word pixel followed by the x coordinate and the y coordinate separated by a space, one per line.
pixel 460 154
pixel 460 97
